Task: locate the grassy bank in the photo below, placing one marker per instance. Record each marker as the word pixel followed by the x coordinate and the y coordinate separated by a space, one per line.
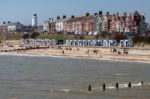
pixel 17 36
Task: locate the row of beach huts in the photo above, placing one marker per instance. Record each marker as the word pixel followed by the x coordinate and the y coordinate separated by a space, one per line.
pixel 102 43
pixel 37 42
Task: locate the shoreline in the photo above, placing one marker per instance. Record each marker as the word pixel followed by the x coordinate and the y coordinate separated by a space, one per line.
pixel 129 54
pixel 104 58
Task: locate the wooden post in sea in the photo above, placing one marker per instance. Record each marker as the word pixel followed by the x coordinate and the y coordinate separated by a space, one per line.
pixel 90 88
pixel 117 85
pixel 104 86
pixel 129 85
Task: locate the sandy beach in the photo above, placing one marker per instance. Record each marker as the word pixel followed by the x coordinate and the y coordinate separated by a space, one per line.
pixel 133 54
pixel 87 52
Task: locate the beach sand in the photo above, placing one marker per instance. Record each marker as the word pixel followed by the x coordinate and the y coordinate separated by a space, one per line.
pixel 134 53
pixel 87 52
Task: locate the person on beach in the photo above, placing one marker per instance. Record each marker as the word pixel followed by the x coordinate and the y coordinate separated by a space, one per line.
pixel 119 52
pixel 63 52
pixel 142 45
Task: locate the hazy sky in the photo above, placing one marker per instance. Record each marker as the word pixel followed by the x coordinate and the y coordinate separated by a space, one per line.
pixel 22 10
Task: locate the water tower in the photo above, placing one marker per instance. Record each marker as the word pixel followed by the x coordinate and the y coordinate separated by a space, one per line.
pixel 34 20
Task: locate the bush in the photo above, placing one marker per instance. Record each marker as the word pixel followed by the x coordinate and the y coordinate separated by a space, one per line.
pixel 52 36
pixel 118 36
pixel 26 36
pixel 140 39
pixel 34 35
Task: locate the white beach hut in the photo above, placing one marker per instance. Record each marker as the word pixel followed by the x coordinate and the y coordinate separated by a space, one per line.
pixel 128 43
pixel 71 42
pixel 121 43
pixel 89 42
pixel 100 42
pixel 79 42
pixel 67 42
pixel 105 43
pixel 112 43
pixel 75 42
pixel 93 42
pixel 85 43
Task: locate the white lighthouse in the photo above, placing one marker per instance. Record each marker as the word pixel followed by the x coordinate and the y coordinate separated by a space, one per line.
pixel 34 20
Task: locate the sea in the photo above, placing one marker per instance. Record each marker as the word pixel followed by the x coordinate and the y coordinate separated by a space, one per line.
pixel 41 77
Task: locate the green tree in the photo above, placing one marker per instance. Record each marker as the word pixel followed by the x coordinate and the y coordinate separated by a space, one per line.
pixel 34 35
pixel 26 36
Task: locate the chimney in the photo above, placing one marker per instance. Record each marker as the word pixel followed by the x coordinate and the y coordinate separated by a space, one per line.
pixel 72 16
pixel 9 22
pixel 64 17
pixel 4 22
pixel 117 14
pixel 114 15
pixel 100 13
pixel 58 17
pixel 125 14
pixel 87 14
pixel 34 14
pixel 107 13
pixel 95 13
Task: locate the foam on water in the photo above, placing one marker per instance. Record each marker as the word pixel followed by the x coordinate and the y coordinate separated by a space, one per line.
pixel 98 88
pixel 122 74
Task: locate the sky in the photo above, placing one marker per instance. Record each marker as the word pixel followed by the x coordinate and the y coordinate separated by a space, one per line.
pixel 22 10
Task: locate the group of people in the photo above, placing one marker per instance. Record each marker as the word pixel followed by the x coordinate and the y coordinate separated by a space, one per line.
pixel 114 50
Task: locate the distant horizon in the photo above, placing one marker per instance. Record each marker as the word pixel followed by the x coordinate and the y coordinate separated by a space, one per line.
pixel 22 10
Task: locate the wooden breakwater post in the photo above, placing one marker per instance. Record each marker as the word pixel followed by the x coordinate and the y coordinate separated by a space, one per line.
pixel 104 86
pixel 89 87
pixel 117 85
pixel 129 85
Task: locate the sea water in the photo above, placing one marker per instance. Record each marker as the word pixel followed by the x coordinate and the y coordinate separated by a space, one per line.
pixel 31 77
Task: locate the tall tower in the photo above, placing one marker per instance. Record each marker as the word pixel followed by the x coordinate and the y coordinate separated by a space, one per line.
pixel 34 20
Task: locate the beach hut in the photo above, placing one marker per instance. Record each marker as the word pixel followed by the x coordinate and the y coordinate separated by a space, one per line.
pixel 80 42
pixel 71 42
pixel 105 43
pixel 89 42
pixel 99 42
pixel 112 43
pixel 75 42
pixel 121 43
pixel 85 43
pixel 126 43
pixel 67 43
pixel 93 42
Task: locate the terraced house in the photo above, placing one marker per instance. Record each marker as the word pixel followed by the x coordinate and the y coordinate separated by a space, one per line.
pixel 79 24
pixel 133 23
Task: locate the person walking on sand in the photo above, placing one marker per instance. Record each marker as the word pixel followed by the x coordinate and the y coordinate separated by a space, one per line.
pixel 63 52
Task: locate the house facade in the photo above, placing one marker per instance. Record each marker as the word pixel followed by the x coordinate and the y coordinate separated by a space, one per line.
pixel 106 23
pixel 79 24
pixel 3 28
pixel 15 27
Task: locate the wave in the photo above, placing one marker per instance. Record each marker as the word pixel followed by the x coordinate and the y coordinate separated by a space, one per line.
pixel 122 74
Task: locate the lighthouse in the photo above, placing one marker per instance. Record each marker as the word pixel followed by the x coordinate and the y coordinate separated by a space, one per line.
pixel 34 20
